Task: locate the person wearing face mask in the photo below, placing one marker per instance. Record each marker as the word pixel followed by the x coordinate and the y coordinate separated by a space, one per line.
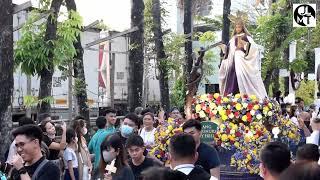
pixel 70 157
pixel 113 150
pixel 130 125
pixel 83 154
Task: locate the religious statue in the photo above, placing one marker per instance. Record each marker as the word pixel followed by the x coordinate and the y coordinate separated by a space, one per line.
pixel 239 70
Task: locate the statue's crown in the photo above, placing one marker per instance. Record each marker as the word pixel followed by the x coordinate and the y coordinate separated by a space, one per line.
pixel 240 17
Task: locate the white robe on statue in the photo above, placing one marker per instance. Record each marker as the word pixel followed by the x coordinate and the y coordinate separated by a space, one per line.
pixel 246 67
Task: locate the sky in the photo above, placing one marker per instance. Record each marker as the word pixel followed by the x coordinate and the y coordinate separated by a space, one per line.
pixel 114 13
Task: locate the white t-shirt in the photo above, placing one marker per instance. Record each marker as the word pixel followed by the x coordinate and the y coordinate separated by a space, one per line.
pixel 295 121
pixel 313 138
pixel 148 137
pixel 70 155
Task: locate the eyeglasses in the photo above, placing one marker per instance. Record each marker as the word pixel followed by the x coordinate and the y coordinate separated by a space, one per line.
pixel 22 144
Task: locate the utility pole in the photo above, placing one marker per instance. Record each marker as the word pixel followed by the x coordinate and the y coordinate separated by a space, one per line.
pixel 112 74
pixel 70 94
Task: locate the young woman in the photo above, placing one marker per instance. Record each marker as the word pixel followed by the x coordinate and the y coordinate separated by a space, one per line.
pixel 83 154
pixel 49 134
pixel 111 150
pixel 70 157
pixel 148 130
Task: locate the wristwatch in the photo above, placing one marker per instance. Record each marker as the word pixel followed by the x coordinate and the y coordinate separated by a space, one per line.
pixel 22 171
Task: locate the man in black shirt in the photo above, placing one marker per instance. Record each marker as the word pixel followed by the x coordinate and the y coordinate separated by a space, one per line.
pixel 208 156
pixel 29 163
pixel 138 161
pixel 183 155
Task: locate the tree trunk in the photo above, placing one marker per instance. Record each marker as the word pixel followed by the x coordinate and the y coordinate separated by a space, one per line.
pixel 268 80
pixel 136 56
pixel 187 26
pixel 226 21
pixel 161 55
pixel 79 74
pixel 6 73
pixel 46 74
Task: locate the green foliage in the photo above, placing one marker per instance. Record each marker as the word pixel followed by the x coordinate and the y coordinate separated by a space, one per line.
pixel 299 65
pixel 79 87
pixel 30 101
pixel 177 96
pixel 306 91
pixel 32 51
pixel 173 44
pixel 275 32
pixel 207 37
pixel 207 20
pixel 33 101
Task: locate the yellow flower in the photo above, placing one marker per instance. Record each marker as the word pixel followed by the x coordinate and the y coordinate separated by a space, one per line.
pixel 238 106
pixel 291 135
pixel 203 97
pixel 270 105
pixel 224 137
pixel 253 97
pixel 222 126
pixel 247 139
pixel 236 144
pixel 170 128
pixel 163 134
pixel 244 118
pixel 231 137
pixel 256 107
pixel 237 96
pixel 225 99
pixel 170 120
pixel 222 112
pixel 198 108
pixel 224 117
pixel 216 95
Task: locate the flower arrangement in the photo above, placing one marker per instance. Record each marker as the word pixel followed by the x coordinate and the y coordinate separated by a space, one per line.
pixel 244 125
pixel 162 138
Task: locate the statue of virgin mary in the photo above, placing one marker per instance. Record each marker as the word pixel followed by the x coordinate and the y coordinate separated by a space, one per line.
pixel 239 70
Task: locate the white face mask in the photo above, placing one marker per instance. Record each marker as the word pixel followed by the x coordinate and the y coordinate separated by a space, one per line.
pixel 84 131
pixel 108 156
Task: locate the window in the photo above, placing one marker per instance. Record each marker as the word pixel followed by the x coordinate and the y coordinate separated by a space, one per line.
pixel 120 75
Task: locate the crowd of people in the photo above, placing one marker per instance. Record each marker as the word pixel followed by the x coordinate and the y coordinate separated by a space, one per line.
pixel 119 150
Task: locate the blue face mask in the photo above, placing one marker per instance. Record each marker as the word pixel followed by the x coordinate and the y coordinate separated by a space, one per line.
pixel 126 130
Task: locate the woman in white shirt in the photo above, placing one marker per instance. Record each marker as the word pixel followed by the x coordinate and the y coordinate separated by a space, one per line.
pixel 148 131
